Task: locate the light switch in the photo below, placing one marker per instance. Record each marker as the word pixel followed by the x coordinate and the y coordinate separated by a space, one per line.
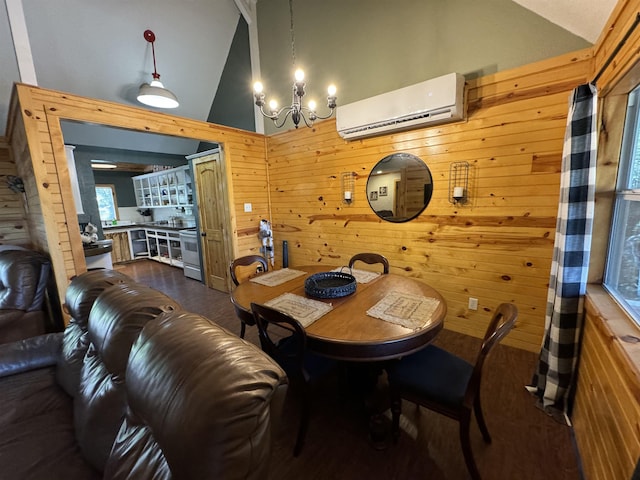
pixel 247 207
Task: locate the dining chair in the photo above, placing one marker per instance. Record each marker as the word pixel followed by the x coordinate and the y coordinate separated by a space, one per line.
pixel 240 272
pixel 370 258
pixel 447 384
pixel 284 339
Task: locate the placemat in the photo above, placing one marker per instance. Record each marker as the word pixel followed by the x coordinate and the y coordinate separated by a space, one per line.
pixel 277 277
pixel 362 276
pixel 305 310
pixel 410 311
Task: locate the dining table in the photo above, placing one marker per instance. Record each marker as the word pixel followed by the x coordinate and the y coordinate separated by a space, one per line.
pixel 360 326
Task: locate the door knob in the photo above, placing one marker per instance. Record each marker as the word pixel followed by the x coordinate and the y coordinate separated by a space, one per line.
pixel 203 234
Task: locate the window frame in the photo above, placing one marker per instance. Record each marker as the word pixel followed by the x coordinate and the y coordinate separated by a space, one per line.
pixel 111 187
pixel 624 197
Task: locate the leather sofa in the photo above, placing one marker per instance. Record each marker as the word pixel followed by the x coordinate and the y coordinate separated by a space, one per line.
pixel 159 393
pixel 24 277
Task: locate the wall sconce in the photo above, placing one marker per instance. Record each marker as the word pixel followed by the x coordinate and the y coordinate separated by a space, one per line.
pixel 458 182
pixel 348 187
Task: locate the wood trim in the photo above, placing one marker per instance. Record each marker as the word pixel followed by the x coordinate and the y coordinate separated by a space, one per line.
pixel 64 180
pixel 54 217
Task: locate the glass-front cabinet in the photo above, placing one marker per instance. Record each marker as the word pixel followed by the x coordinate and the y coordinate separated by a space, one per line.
pixel 167 188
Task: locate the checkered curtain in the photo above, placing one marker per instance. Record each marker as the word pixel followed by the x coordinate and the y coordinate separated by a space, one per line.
pixel 552 383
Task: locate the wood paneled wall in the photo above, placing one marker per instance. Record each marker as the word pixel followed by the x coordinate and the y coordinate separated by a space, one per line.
pixel 496 248
pixel 606 414
pixel 13 224
pixel 36 140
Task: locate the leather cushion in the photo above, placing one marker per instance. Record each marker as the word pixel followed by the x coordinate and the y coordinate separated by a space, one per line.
pixel 115 321
pixel 37 429
pixel 81 294
pixel 23 279
pixel 198 404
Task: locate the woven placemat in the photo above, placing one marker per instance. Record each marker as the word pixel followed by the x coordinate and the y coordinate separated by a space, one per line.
pixel 409 310
pixel 362 276
pixel 277 277
pixel 305 310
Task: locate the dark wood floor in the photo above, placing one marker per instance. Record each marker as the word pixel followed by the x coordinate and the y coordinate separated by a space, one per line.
pixel 527 444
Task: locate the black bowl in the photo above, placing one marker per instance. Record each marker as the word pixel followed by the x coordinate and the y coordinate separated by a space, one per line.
pixel 330 285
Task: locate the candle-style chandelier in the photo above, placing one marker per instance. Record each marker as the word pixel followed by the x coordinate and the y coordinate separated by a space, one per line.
pixel 296 111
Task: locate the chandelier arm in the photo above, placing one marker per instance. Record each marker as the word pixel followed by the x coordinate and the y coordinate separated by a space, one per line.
pixel 320 117
pixel 315 114
pixel 308 123
pixel 268 115
pixel 284 119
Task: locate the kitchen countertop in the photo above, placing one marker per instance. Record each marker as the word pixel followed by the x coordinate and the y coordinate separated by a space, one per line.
pixel 91 250
pixel 158 225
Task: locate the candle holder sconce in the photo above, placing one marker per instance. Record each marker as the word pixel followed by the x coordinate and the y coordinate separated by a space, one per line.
pixel 458 182
pixel 348 187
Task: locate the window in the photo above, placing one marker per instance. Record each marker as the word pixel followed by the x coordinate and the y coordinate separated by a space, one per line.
pixel 107 203
pixel 622 274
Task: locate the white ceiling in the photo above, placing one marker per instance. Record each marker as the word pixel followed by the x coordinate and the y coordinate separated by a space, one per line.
pixel 585 18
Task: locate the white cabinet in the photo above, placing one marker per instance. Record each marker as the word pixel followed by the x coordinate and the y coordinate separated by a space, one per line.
pixel 164 246
pixel 167 188
pixel 138 243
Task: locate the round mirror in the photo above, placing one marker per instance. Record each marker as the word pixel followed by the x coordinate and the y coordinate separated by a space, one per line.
pixel 399 187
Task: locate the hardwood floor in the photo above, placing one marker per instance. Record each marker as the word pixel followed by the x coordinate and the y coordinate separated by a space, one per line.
pixel 527 444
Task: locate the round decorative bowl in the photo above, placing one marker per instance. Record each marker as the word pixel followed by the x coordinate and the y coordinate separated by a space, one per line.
pixel 330 285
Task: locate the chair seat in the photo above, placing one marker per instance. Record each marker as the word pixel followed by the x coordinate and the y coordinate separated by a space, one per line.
pixel 432 373
pixel 314 365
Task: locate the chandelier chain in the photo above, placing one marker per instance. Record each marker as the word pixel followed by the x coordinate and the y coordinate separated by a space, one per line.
pixel 293 38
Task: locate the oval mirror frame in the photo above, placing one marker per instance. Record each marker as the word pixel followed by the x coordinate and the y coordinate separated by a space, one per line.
pixel 399 187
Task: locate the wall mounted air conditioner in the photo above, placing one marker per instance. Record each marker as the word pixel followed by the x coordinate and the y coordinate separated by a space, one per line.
pixel 435 101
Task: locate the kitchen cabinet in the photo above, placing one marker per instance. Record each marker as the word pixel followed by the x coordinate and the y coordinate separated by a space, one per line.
pixel 138 243
pixel 120 247
pixel 167 188
pixel 128 244
pixel 164 246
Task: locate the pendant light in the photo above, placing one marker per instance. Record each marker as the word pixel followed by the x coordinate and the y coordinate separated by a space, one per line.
pixel 154 94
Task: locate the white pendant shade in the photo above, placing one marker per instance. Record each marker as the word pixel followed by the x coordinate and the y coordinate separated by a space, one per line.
pixel 155 95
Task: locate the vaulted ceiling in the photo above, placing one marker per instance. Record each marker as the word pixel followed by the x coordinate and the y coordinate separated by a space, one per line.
pixel 96 48
pixel 584 18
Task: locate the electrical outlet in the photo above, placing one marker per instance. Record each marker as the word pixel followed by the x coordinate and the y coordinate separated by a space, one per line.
pixel 248 207
pixel 473 303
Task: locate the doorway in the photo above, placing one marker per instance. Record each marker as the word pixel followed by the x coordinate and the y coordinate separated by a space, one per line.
pixel 213 217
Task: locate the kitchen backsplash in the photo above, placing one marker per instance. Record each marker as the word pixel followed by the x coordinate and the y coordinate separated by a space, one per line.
pixel 172 215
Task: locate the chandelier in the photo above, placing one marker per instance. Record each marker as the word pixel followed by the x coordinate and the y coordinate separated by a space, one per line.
pixel 296 111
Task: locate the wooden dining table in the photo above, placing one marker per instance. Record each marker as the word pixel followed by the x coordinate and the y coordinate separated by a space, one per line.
pixel 347 332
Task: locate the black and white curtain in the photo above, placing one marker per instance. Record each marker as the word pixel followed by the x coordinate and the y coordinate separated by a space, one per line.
pixel 553 381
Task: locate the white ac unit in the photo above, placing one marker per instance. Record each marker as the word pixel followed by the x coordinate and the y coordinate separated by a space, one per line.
pixel 435 101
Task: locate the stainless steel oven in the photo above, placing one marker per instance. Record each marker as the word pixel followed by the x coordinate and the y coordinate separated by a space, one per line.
pixel 189 243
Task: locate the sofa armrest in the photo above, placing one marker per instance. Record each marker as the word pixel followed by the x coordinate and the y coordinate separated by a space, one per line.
pixel 30 354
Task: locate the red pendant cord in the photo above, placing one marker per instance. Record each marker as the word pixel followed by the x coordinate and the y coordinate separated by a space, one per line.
pixel 150 37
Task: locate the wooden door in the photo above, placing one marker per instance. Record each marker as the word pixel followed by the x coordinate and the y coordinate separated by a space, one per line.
pixel 213 216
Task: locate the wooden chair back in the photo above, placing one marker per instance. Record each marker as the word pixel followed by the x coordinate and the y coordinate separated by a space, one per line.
pixel 283 338
pixel 240 271
pixel 370 258
pixel 500 325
